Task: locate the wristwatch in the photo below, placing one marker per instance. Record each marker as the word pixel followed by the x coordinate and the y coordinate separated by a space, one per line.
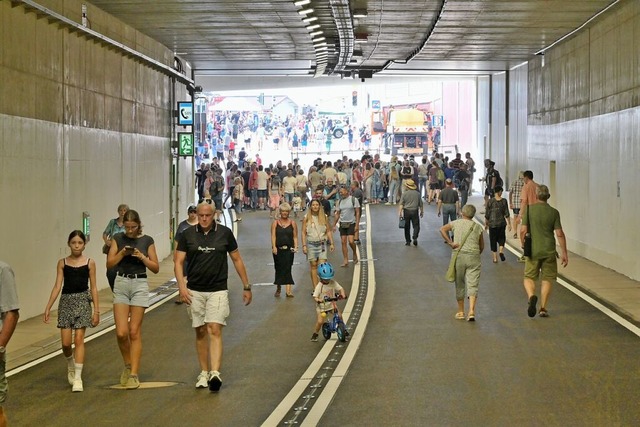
pixel 247 288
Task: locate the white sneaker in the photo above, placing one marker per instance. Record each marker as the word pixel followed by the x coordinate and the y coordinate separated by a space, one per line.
pixel 71 375
pixel 203 380
pixel 77 386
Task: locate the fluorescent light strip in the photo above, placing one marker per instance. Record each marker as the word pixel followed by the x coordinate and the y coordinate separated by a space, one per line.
pixel 310 19
pixel 301 2
pixel 315 33
pixel 319 39
pixel 305 11
pixel 313 27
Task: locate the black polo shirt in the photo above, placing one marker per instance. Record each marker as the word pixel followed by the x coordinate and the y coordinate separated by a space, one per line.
pixel 208 269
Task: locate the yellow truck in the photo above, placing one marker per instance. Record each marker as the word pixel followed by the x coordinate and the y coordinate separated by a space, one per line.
pixel 407 132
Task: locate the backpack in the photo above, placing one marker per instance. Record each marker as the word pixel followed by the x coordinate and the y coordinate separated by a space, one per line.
pixel 217 186
pixel 440 174
pixel 393 173
pixel 461 184
pixel 499 181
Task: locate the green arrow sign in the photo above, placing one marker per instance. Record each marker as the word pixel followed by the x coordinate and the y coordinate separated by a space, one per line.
pixel 185 144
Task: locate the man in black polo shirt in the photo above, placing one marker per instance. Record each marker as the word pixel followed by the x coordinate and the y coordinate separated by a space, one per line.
pixel 206 246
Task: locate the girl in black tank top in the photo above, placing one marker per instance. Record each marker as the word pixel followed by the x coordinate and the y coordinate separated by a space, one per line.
pixel 76 280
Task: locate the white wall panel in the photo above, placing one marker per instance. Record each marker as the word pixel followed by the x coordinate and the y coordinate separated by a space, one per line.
pixel 584 113
pixel 52 173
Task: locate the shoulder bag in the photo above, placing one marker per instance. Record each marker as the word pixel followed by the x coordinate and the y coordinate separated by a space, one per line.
pixel 527 248
pixel 451 271
pixel 105 247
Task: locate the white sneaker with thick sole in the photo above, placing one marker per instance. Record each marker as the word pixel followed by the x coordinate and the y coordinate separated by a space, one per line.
pixel 203 380
pixel 71 375
pixel 77 386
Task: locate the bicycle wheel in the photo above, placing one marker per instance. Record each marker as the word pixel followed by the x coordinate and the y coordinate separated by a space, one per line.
pixel 342 332
pixel 326 331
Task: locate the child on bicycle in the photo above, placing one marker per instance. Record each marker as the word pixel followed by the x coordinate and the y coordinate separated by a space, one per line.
pixel 329 288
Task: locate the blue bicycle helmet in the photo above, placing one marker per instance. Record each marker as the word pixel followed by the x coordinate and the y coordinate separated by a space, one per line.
pixel 325 271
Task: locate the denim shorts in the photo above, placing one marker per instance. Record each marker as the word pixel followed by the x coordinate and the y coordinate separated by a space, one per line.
pixel 208 307
pixel 134 292
pixel 316 251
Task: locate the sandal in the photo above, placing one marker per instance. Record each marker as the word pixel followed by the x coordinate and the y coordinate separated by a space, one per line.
pixel 460 315
pixel 289 295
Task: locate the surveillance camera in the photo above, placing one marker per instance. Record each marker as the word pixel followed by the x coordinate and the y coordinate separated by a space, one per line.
pixel 198 89
pixel 362 80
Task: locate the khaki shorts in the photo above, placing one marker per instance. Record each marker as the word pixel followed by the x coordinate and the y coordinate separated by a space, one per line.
pixel 208 307
pixel 545 268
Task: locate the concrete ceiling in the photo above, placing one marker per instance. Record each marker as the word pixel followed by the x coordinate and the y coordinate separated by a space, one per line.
pixel 396 37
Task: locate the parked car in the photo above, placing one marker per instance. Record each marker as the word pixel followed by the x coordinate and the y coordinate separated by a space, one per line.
pixel 339 128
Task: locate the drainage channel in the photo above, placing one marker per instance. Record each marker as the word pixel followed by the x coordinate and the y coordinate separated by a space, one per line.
pixel 308 399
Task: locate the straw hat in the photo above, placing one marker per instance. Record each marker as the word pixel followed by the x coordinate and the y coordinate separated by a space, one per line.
pixel 410 184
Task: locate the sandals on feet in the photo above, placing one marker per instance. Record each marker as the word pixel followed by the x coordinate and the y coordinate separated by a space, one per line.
pixel 460 315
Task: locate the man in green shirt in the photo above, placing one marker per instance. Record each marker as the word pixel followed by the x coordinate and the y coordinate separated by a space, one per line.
pixel 542 220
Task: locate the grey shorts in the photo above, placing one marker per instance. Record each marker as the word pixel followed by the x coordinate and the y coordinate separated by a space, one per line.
pixel 133 292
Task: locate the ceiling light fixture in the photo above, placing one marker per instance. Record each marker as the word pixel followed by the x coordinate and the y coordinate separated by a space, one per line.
pixel 360 13
pixel 320 44
pixel 305 11
pixel 313 27
pixel 301 2
pixel 321 48
pixel 318 39
pixel 315 33
pixel 310 19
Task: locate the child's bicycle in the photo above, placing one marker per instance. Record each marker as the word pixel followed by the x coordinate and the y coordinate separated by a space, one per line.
pixel 334 324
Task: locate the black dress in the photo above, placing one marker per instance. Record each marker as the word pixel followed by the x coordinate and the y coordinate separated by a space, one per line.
pixel 283 261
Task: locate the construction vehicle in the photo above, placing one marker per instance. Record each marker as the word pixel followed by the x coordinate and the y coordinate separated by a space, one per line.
pixel 408 132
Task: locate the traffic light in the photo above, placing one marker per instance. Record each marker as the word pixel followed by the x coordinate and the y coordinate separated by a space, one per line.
pixel 354 98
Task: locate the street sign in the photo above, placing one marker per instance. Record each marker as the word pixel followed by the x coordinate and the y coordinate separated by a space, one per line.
pixel 185 113
pixel 185 144
pixel 437 121
pixel 375 104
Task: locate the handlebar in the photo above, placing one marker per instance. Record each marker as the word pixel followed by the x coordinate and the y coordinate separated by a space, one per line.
pixel 329 299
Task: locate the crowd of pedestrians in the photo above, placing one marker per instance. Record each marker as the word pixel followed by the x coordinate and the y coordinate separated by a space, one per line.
pixel 327 198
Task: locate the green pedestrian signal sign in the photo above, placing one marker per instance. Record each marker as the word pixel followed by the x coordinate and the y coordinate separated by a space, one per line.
pixel 185 144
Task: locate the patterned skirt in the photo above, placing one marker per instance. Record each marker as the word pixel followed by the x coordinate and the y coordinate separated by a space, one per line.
pixel 74 310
